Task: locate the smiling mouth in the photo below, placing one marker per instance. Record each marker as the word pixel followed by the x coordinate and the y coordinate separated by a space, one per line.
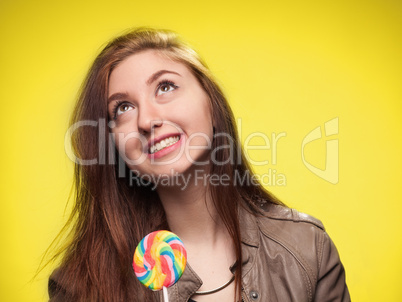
pixel 164 143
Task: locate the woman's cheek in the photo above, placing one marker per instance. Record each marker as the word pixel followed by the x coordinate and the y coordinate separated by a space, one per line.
pixel 131 146
pixel 199 145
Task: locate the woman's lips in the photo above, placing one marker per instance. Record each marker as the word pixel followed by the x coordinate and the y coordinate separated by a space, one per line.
pixel 163 145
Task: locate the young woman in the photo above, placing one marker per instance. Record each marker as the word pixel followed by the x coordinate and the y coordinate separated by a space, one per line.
pixel 157 148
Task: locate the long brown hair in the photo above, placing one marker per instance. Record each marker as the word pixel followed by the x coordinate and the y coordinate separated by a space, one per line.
pixel 110 215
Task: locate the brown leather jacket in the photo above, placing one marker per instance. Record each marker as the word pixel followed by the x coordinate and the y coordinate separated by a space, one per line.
pixel 287 256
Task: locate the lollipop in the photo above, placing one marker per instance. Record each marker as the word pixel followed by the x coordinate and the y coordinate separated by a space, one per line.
pixel 159 260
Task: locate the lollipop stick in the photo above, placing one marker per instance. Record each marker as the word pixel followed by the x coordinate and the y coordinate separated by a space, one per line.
pixel 165 295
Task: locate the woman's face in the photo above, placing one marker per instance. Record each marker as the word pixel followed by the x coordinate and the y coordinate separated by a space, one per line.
pixel 162 117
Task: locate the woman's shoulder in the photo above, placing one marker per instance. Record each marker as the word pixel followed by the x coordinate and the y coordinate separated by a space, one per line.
pixel 55 290
pixel 281 227
pixel 300 238
pixel 298 233
pixel 276 212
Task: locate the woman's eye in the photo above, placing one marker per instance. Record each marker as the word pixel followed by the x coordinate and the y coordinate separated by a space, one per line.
pixel 165 87
pixel 123 108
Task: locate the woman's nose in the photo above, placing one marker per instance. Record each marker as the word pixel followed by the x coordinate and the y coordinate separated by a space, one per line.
pixel 148 118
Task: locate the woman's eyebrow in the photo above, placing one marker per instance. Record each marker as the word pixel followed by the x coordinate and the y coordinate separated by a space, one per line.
pixel 159 73
pixel 152 78
pixel 117 96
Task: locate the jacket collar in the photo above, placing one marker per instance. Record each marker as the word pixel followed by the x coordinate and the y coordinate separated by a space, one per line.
pixel 249 232
pixel 187 285
pixel 248 227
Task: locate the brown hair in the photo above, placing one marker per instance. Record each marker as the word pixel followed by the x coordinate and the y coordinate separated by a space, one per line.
pixel 110 216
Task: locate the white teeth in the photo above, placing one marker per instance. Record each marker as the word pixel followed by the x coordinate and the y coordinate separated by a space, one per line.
pixel 163 144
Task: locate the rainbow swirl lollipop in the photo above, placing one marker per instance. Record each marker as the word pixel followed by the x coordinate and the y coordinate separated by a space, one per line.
pixel 159 260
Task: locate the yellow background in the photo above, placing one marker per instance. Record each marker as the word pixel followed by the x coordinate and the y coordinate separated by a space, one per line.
pixel 286 66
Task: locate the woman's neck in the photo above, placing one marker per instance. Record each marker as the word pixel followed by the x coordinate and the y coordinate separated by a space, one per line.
pixel 190 210
pixel 191 214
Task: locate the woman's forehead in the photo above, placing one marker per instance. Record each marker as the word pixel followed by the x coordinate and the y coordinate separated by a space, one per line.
pixel 149 59
pixel 140 68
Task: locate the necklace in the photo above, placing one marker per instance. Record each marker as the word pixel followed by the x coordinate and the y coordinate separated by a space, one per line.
pixel 207 292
